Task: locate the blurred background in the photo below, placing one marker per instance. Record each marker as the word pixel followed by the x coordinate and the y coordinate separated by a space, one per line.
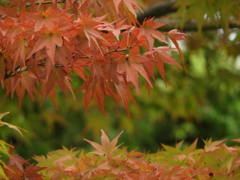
pixel 201 104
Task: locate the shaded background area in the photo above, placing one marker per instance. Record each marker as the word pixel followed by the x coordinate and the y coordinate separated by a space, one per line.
pixel 201 104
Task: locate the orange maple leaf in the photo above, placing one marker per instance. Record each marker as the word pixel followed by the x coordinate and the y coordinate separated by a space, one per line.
pixel 130 5
pixel 50 38
pixel 107 148
pixel 212 145
pixel 176 35
pixel 149 29
pixel 131 65
pixel 124 93
pixel 59 76
pixel 116 28
pixel 45 18
pixel 160 56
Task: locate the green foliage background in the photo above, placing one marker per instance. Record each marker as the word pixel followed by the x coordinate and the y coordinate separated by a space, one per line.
pixel 203 103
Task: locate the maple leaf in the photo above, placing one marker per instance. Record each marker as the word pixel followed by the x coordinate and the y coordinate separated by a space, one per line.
pixel 160 57
pixel 87 24
pixel 116 28
pixel 149 29
pixel 45 18
pixel 18 161
pixel 20 83
pixel 49 38
pixel 132 156
pixel 130 5
pixel 78 69
pixel 176 35
pixel 144 172
pixel 10 29
pixel 189 152
pixel 20 48
pixel 95 90
pixel 63 55
pixel 115 166
pixel 59 76
pixel 124 93
pixel 107 148
pixel 31 172
pixel 211 146
pixel 27 81
pixel 88 166
pixel 131 65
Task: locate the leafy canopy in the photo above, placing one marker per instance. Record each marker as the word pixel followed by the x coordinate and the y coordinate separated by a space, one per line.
pixel 44 42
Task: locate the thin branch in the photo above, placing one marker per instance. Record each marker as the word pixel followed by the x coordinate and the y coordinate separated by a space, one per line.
pixel 119 50
pixel 20 70
pixel 28 4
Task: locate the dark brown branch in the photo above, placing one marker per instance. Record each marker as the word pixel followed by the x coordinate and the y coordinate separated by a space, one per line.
pixel 119 50
pixel 20 70
pixel 167 7
pixel 193 27
pixel 46 2
pixel 160 9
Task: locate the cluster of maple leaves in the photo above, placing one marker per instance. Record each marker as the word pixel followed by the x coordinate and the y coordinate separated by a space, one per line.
pixel 215 161
pixel 43 42
pixel 108 160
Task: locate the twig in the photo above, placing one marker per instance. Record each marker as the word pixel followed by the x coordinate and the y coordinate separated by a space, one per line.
pixel 20 70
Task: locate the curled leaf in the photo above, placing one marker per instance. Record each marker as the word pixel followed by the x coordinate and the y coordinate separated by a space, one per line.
pixel 18 129
pixel 3 114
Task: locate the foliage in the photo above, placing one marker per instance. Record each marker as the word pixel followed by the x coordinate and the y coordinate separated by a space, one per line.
pixel 216 160
pixel 44 42
pixel 203 103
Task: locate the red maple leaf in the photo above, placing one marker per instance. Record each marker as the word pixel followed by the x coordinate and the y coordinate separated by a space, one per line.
pixel 31 172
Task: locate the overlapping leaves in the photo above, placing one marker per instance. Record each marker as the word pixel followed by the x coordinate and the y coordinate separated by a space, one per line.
pixel 110 161
pixel 41 46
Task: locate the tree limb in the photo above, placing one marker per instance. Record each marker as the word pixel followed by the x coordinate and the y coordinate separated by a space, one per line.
pixel 190 26
pixel 167 7
pixel 160 9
